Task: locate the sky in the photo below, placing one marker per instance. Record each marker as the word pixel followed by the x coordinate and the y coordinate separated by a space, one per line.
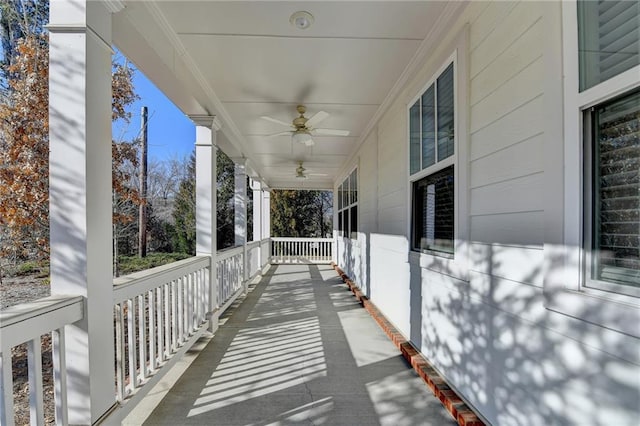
pixel 170 132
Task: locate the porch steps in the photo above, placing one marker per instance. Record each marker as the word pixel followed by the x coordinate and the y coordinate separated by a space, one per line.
pixel 460 411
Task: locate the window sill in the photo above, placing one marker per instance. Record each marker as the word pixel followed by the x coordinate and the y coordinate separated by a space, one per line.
pixel 436 253
pixel 443 263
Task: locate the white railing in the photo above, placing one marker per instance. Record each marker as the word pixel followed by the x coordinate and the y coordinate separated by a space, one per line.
pixel 230 275
pixel 27 323
pixel 157 313
pixel 301 250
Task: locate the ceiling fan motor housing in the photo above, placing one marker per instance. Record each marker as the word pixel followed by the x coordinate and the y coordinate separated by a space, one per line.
pixel 300 122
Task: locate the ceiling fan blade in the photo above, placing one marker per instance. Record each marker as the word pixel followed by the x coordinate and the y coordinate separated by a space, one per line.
pixel 331 132
pixel 317 118
pixel 287 133
pixel 274 120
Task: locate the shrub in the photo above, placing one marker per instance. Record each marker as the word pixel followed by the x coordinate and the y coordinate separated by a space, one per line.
pixel 130 264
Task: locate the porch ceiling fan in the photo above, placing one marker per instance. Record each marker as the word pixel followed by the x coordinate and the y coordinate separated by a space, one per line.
pixel 300 172
pixel 303 128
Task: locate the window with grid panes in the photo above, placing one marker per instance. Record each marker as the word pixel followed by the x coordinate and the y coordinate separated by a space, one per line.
pixel 431 165
pixel 348 206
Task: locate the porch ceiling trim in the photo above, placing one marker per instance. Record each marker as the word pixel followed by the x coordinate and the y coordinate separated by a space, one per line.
pixel 229 128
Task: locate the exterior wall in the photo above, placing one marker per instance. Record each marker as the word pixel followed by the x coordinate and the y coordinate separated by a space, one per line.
pixel 354 253
pixel 489 333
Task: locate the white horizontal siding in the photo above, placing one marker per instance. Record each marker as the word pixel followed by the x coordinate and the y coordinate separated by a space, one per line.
pixel 520 264
pixel 519 55
pixel 392 173
pixel 486 20
pixel 367 185
pixel 392 199
pixel 514 93
pixel 491 339
pixel 515 195
pixel 523 229
pixel 521 159
pixel 390 278
pixel 516 126
pixel 504 32
pixel 506 122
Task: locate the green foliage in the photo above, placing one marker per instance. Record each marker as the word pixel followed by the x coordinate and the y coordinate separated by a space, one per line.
pixel 300 213
pixel 38 268
pixel 27 268
pixel 225 176
pixel 184 212
pixel 130 264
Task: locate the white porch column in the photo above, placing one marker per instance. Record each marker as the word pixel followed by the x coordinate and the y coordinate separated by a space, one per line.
pixel 266 220
pixel 266 214
pixel 206 207
pixel 257 211
pixel 240 211
pixel 80 196
pixel 257 220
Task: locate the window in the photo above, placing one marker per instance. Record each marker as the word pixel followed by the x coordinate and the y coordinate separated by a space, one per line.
pixel 431 165
pixel 348 206
pixel 608 41
pixel 433 201
pixel 612 195
pixel 608 50
pixel 431 124
pixel 594 248
pixel 601 50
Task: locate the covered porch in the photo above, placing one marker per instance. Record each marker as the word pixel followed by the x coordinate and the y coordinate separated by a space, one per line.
pixel 297 349
pixel 454 151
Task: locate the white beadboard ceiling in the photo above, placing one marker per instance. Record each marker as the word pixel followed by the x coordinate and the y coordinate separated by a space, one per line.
pixel 242 60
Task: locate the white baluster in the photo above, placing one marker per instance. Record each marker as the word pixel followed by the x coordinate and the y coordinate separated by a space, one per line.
pixel 34 360
pixel 6 386
pixel 167 321
pixel 131 341
pixel 120 344
pixel 142 338
pixel 152 330
pixel 160 322
pixel 60 374
pixel 174 316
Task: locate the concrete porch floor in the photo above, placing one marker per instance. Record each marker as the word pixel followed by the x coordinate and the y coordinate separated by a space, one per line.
pixel 298 350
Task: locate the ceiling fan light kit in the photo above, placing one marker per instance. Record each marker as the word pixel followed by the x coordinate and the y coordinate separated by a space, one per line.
pixel 301 20
pixel 302 137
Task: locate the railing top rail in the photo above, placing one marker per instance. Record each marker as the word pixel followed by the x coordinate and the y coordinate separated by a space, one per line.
pixel 137 283
pixel 18 313
pixel 21 323
pixel 229 252
pixel 253 244
pixel 304 240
